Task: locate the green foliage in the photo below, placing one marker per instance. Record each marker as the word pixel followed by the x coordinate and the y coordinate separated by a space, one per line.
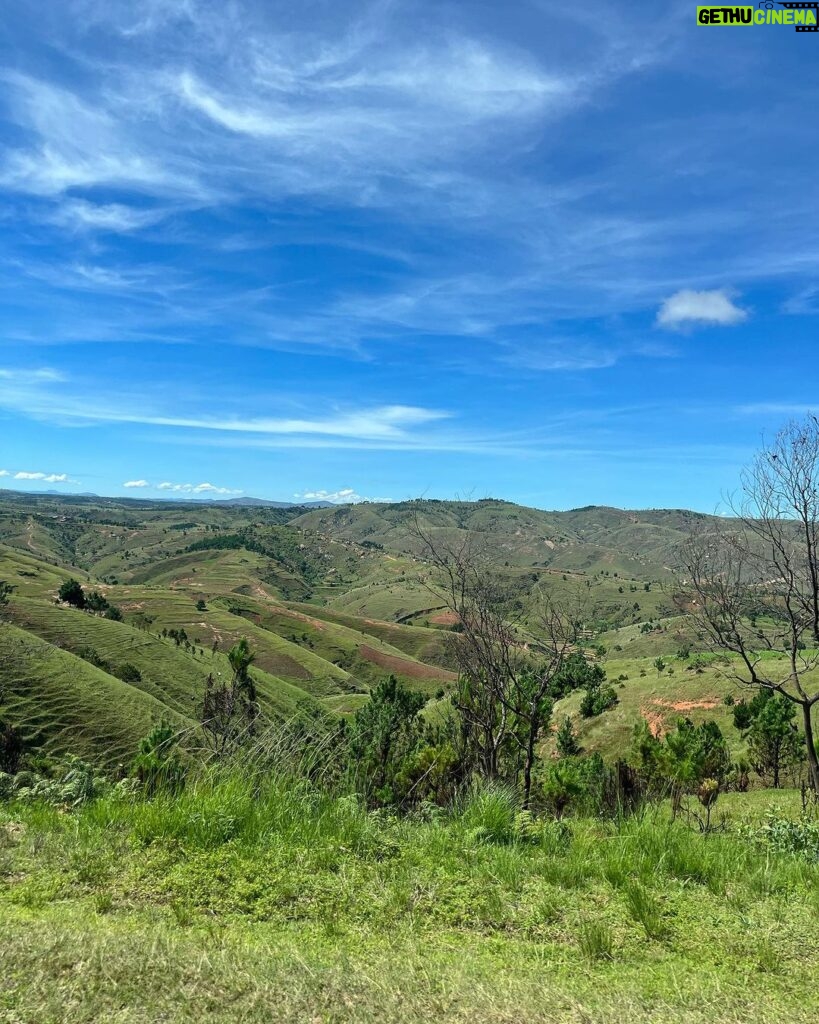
pixel 566 740
pixel 230 708
pixel 646 910
pixel 800 837
pixel 598 699
pixel 159 764
pixel 383 734
pixel 70 782
pixel 72 593
pixel 683 759
pixel 11 748
pixel 573 783
pixel 490 814
pixel 774 742
pixel 6 590
pixel 129 673
pixel 96 602
pixel 596 940
pixel 577 673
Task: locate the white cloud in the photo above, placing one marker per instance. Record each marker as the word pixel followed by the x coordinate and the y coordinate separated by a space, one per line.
pixel 380 423
pixel 136 483
pixel 4 472
pixel 48 478
pixel 687 307
pixel 204 488
pixel 79 145
pixel 79 215
pixel 344 496
pixel 43 376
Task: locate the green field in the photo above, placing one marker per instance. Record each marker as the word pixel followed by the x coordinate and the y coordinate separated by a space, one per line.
pixel 234 904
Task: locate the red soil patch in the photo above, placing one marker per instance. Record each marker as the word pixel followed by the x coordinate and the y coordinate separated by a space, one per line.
pixel 413 669
pixel 656 718
pixel 446 619
pixel 655 721
pixel 687 705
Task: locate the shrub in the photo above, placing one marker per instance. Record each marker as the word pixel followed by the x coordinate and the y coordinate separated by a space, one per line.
pixel 11 748
pixel 72 782
pixel 129 673
pixel 71 592
pixel 598 699
pixel 798 837
pixel 158 765
pixel 565 739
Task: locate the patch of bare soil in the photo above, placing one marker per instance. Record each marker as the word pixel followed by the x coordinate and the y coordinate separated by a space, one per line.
pixel 413 669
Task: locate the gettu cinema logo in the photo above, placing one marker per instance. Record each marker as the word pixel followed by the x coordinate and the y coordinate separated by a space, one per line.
pixel 804 16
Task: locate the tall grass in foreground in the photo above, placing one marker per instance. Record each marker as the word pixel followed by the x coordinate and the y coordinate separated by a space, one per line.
pixel 252 811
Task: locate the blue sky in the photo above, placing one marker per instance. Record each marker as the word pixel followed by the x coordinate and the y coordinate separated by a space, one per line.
pixel 564 254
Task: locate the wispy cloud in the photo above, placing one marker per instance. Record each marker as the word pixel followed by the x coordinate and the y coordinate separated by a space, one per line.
pixel 136 483
pixel 378 423
pixel 82 216
pixel 45 375
pixel 706 308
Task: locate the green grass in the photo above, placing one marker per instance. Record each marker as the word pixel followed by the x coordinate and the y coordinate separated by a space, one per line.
pixel 245 902
pixel 66 704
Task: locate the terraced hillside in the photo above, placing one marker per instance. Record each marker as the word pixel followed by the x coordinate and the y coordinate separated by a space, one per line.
pixel 331 601
pixel 586 541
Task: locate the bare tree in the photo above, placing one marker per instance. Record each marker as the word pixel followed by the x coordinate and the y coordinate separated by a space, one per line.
pixel 752 584
pixel 503 696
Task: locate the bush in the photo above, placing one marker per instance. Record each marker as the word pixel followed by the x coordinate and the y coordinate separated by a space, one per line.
pixel 798 837
pixel 129 673
pixel 11 748
pixel 574 783
pixel 565 739
pixel 159 765
pixel 598 699
pixel 71 782
pixel 72 593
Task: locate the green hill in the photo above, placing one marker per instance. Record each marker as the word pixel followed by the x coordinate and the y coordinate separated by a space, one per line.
pixel 331 600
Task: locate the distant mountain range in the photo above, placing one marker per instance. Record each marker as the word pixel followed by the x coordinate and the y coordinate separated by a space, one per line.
pixel 243 502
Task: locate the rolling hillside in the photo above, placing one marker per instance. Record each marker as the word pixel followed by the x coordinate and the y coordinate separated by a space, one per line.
pixel 330 599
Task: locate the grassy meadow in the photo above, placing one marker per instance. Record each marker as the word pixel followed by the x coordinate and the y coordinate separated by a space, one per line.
pixel 268 888
pixel 270 900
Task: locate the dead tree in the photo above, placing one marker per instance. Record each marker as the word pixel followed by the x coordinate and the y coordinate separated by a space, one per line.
pixel 752 584
pixel 503 694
